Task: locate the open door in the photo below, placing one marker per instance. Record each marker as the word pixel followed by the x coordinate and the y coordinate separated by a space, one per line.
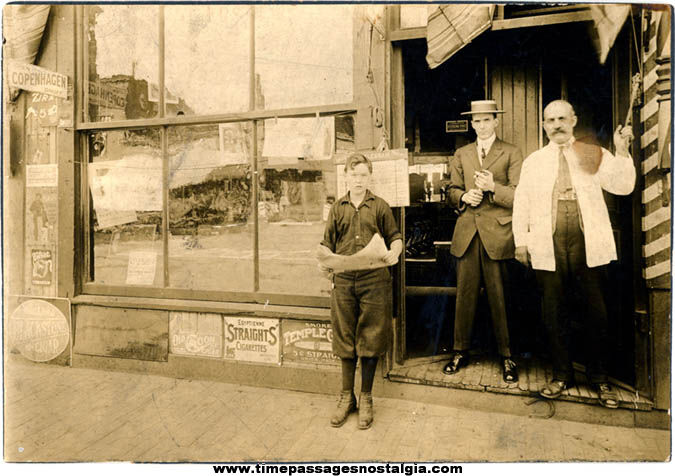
pixel 523 69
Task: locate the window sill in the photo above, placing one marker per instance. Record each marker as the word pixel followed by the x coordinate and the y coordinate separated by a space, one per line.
pixel 185 305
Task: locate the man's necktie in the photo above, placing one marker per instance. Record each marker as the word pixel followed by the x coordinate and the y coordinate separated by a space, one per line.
pixel 564 178
pixel 482 155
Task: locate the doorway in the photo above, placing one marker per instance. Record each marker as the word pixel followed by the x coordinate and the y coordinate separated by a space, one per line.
pixel 523 70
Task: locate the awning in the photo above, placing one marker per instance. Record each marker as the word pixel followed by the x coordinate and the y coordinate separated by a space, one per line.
pixel 451 27
pixel 23 28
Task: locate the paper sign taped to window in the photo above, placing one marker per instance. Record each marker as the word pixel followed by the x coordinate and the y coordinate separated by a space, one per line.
pixel 370 257
pixel 310 138
pixel 142 267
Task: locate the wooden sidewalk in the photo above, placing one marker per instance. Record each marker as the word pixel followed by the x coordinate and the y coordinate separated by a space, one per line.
pixel 484 374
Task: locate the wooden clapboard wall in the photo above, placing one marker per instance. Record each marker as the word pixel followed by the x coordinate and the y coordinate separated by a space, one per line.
pixel 516 90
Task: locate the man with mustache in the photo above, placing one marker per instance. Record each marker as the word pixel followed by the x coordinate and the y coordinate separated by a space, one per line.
pixel 561 228
pixel 483 178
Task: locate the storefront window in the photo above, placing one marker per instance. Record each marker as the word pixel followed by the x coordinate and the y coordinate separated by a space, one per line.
pixel 179 163
pixel 125 184
pixel 207 59
pixel 211 208
pixel 304 54
pixel 122 61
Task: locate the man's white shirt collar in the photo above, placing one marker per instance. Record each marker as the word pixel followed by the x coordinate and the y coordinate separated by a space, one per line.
pixel 485 145
pixel 566 145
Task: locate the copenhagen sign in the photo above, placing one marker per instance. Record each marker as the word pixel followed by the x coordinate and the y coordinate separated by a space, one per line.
pixel 33 78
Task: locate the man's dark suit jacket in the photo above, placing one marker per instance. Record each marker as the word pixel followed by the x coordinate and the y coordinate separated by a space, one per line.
pixel 492 218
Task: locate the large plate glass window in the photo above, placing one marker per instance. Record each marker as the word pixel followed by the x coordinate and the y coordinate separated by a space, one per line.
pixel 223 193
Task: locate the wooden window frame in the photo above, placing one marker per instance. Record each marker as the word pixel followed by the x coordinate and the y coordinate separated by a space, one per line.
pixel 83 126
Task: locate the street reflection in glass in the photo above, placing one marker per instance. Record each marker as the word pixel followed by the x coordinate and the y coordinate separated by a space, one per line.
pixel 210 208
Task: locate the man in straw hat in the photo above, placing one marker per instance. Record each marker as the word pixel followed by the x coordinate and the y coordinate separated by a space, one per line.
pixel 483 176
pixel 562 229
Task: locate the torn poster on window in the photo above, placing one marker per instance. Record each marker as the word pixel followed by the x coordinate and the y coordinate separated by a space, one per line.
pixel 131 183
pixel 370 257
pixel 310 138
pixel 109 218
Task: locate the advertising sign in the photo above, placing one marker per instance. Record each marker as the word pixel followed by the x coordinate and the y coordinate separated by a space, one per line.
pixel 33 78
pixel 42 175
pixel 457 126
pixel 107 95
pixel 45 108
pixel 39 329
pixel 41 214
pixel 42 267
pixel 252 339
pixel 198 334
pixel 308 342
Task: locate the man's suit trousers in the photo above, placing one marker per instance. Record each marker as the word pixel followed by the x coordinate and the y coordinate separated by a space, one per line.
pixel 474 263
pixel 573 281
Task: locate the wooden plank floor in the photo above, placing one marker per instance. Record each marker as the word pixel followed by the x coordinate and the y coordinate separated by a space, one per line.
pixel 484 374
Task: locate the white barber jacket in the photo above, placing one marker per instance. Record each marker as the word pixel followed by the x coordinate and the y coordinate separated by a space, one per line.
pixel 533 204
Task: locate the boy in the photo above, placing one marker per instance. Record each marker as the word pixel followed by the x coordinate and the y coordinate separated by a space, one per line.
pixel 361 300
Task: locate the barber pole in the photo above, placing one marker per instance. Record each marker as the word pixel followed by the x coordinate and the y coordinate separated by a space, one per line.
pixel 655 145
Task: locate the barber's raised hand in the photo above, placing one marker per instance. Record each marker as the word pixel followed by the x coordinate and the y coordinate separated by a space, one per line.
pixel 473 197
pixel 523 256
pixel 484 180
pixel 623 136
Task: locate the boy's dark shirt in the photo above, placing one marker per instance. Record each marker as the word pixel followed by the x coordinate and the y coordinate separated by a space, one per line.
pixel 349 230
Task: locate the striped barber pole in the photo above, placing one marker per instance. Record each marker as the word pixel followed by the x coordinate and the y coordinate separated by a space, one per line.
pixel 656 217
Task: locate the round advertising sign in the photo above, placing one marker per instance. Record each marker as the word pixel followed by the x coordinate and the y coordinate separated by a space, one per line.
pixel 39 330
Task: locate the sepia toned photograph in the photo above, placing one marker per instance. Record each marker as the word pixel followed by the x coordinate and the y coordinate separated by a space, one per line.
pixel 337 237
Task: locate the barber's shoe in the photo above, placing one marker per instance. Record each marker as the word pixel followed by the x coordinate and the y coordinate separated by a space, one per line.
pixel 458 360
pixel 509 370
pixel 365 410
pixel 345 406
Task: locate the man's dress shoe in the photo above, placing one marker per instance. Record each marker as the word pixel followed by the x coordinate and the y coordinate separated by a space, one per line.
pixel 458 360
pixel 509 370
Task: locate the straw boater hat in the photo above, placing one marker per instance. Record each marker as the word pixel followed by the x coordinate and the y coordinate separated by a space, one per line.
pixel 487 106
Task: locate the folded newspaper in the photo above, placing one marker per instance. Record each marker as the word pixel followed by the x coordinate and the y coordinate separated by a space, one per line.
pixel 370 257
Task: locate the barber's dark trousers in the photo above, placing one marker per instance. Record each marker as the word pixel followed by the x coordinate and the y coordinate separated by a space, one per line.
pixel 474 263
pixel 573 281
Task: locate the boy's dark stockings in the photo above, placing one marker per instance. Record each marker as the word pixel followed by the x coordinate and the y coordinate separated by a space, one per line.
pixel 368 367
